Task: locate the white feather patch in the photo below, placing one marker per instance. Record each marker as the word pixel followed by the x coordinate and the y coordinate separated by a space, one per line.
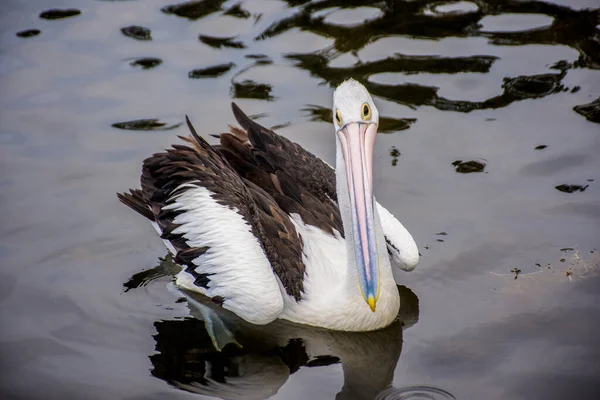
pixel 241 272
pixel 405 252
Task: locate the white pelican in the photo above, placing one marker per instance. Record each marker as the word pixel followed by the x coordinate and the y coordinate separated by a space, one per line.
pixel 268 230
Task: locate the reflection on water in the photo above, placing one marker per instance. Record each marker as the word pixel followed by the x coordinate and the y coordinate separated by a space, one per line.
pixel 28 33
pixel 263 357
pixel 576 29
pixel 151 124
pixel 424 19
pixel 137 32
pixel 415 393
pixel 59 13
pixel 505 91
pixel 195 9
pixel 146 62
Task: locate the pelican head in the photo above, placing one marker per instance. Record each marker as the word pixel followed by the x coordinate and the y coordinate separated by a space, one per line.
pixel 355 119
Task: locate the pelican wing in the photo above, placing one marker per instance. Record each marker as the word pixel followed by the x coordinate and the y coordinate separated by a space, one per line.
pixel 229 234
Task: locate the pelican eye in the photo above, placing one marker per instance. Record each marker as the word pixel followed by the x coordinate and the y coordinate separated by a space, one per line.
pixel 366 112
pixel 338 116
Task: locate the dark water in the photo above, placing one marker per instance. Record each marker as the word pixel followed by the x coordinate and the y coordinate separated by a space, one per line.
pixel 489 155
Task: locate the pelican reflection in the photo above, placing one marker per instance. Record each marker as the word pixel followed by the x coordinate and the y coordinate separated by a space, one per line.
pixel 255 361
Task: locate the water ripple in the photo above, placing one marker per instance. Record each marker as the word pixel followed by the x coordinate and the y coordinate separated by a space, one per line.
pixel 415 392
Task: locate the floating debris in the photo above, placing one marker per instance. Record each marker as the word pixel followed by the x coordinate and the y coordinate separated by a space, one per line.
pixel 442 233
pixel 218 42
pixel 591 111
pixel 137 32
pixel 516 271
pixel 29 33
pixel 575 89
pixel 467 167
pixel 194 9
pixel 568 274
pixel 540 147
pixel 151 124
pixel 57 13
pixel 440 240
pixel 249 89
pixel 395 153
pixel 210 72
pixel 565 249
pixel 146 62
pixel 571 188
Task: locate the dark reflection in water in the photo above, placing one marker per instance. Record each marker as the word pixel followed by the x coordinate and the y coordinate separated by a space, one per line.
pixel 194 9
pixel 576 29
pixel 137 32
pixel 146 62
pixel 386 124
pixel 249 89
pixel 237 11
pixel 571 188
pixel 151 124
pixel 219 42
pixel 28 33
pixel 61 162
pixel 210 72
pixel 60 13
pixel 419 19
pixel 257 360
pixel 590 111
pixel 572 28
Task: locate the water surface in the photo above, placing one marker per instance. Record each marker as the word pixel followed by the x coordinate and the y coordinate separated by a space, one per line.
pixel 489 114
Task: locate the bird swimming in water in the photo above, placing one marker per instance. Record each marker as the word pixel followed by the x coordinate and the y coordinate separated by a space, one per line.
pixel 269 231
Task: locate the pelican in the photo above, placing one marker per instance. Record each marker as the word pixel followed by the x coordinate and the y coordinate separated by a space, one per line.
pixel 269 231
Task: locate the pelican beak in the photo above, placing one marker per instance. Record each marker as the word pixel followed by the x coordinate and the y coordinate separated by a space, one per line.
pixel 357 141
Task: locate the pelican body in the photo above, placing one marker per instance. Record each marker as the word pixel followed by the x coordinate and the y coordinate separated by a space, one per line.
pixel 267 230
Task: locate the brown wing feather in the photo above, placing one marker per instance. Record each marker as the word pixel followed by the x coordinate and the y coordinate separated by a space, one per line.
pixel 304 167
pixel 297 180
pixel 202 165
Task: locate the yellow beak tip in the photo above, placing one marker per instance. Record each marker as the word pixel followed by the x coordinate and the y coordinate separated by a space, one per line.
pixel 371 303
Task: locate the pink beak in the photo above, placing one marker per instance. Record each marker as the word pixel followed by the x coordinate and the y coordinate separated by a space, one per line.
pixel 357 140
